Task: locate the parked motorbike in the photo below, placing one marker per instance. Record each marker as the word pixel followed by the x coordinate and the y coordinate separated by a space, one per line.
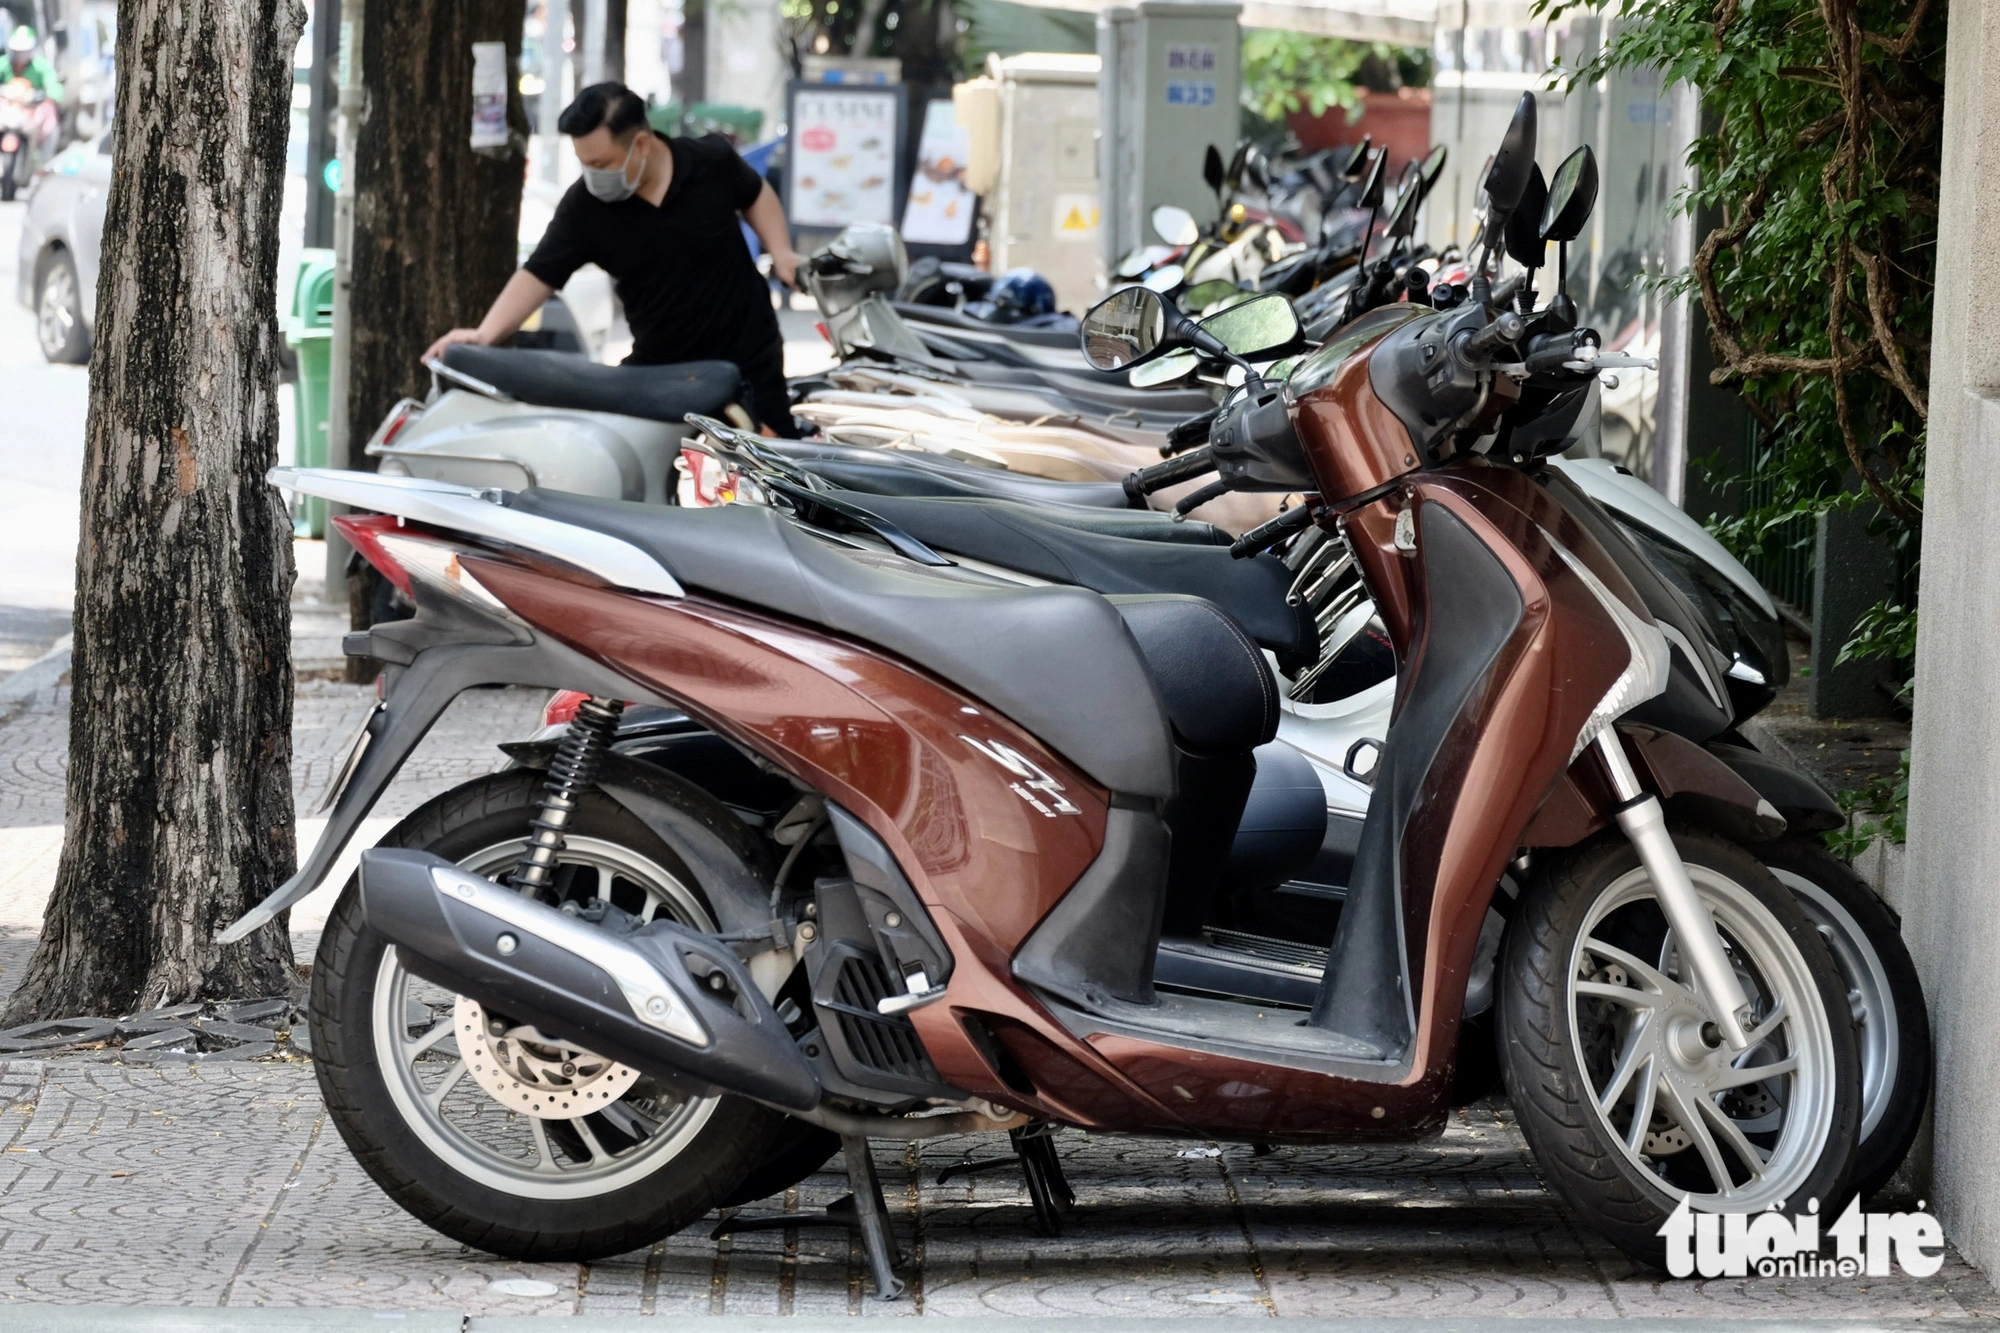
pixel 952 924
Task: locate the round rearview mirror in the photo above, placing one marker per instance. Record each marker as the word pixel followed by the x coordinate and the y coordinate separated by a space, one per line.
pixel 1165 370
pixel 1507 178
pixel 1256 326
pixel 1175 226
pixel 1126 327
pixel 1572 195
pixel 1165 278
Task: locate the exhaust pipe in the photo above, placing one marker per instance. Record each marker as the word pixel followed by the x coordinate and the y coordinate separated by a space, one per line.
pixel 662 999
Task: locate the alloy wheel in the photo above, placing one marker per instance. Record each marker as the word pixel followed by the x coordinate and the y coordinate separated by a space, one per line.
pixel 442 1074
pixel 57 312
pixel 1729 1131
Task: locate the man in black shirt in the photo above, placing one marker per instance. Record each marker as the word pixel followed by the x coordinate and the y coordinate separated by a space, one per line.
pixel 660 216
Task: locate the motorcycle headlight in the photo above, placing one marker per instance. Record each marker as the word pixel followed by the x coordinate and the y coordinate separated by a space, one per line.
pixel 1645 673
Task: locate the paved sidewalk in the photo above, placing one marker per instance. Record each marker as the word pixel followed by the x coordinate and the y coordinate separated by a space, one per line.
pixel 224 1185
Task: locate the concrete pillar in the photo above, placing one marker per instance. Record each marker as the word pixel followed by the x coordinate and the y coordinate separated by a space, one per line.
pixel 1952 917
pixel 745 65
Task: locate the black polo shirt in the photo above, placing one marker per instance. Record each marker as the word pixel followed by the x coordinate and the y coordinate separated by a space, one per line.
pixel 689 287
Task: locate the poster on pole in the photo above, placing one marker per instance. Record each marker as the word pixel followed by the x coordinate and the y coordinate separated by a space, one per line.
pixel 844 146
pixel 489 94
pixel 939 209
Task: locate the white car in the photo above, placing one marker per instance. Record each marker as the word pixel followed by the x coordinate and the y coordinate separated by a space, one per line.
pixel 61 231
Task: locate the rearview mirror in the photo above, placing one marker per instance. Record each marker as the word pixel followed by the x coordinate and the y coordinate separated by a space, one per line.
pixel 1434 166
pixel 1371 188
pixel 1211 169
pixel 1173 366
pixel 1525 245
pixel 1205 294
pixel 1234 176
pixel 1409 193
pixel 1572 195
pixel 1165 278
pixel 1356 160
pixel 1250 328
pixel 1175 226
pixel 1507 178
pixel 1125 328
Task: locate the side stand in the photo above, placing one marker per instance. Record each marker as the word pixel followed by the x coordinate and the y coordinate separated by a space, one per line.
pixel 1035 1153
pixel 864 1210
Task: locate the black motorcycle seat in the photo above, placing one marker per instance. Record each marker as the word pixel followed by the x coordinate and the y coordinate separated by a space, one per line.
pixel 905 472
pixel 1219 692
pixel 1057 661
pixel 1092 552
pixel 1065 340
pixel 562 379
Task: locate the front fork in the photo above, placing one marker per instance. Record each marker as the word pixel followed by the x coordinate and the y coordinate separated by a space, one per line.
pixel 1645 823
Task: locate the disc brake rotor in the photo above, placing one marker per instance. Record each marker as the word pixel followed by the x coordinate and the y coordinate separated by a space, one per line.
pixel 527 1072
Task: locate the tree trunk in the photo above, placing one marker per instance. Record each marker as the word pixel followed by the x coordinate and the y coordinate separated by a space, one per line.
pixel 179 797
pixel 436 224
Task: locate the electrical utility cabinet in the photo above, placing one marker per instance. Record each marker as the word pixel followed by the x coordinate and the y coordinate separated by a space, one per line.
pixel 1172 70
pixel 1044 205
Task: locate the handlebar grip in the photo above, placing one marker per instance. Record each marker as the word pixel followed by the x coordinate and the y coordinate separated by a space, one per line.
pixel 1187 504
pixel 1159 476
pixel 1272 531
pixel 1185 435
pixel 1505 328
pixel 1553 353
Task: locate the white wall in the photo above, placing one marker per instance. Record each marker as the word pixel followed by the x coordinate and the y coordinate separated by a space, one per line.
pixel 745 66
pixel 1952 917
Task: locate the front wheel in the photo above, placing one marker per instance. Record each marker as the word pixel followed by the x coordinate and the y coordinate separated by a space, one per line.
pixel 1625 1090
pixel 459 1114
pixel 59 327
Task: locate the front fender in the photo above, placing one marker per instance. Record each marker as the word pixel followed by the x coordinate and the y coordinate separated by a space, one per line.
pixel 1694 785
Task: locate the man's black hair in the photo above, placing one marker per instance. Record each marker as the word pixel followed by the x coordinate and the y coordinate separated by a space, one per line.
pixel 609 104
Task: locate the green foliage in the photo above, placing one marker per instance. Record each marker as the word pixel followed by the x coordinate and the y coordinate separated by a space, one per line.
pixel 1285 72
pixel 1818 206
pixel 1878 810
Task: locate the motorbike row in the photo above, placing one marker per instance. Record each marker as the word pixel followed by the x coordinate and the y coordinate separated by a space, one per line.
pixel 1253 717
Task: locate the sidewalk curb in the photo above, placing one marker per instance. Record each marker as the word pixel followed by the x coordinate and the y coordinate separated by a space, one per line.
pixel 33 678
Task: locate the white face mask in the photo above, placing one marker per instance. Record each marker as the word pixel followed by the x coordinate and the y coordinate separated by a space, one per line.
pixel 609 183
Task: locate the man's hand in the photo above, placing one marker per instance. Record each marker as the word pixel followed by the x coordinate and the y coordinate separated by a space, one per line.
pixel 785 267
pixel 472 336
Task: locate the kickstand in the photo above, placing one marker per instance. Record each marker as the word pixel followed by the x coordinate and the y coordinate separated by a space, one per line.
pixel 865 1211
pixel 1035 1153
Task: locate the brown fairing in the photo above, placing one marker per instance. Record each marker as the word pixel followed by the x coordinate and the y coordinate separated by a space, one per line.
pixel 885 740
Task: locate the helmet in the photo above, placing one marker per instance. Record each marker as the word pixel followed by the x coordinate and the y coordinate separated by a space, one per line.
pixel 22 42
pixel 1021 293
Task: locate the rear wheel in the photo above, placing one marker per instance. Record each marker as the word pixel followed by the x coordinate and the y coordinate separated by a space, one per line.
pixel 449 1109
pixel 1624 1088
pixel 1892 1024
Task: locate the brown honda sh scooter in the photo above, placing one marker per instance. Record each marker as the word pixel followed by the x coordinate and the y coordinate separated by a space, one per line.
pixel 566 1010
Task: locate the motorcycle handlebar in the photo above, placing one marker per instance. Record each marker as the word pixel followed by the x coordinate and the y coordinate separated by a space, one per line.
pixel 1175 470
pixel 1187 434
pixel 1272 531
pixel 1505 328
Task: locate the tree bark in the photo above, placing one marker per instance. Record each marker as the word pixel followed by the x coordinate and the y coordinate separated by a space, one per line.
pixel 436 224
pixel 179 791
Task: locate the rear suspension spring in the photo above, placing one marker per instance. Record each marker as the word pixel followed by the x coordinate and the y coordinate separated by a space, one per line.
pixel 571 772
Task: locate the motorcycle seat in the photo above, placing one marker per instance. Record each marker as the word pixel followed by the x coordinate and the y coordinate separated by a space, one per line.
pixel 565 380
pixel 1057 661
pixel 1111 553
pixel 1060 339
pixel 906 472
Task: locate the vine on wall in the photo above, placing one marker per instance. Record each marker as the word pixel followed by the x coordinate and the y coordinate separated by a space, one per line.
pixel 1823 122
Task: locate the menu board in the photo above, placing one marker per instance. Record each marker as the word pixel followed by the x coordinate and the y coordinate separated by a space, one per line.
pixel 842 164
pixel 939 209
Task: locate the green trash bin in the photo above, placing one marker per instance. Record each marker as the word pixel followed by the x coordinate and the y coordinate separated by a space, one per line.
pixel 309 330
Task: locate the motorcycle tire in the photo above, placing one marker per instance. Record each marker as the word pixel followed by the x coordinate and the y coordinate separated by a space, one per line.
pixel 512 1207
pixel 1554 1034
pixel 1896 1059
